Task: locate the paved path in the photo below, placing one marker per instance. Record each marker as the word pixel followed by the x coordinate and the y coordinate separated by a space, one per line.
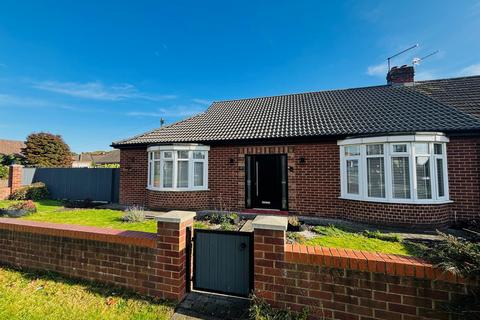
pixel 199 305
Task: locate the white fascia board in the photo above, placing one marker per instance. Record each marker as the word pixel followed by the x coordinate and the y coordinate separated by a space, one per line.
pixel 421 136
pixel 192 147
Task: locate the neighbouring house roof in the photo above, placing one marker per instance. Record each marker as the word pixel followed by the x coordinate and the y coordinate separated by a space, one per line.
pixel 360 111
pixel 108 157
pixel 462 93
pixel 8 147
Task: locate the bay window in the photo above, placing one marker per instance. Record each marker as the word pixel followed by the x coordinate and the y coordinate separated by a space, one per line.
pixel 178 167
pixel 399 169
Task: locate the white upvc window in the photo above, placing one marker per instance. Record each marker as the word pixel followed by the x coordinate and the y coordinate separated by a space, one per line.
pixel 398 169
pixel 178 168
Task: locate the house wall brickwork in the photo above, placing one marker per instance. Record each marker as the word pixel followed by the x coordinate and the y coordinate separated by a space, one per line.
pixel 346 284
pixel 313 184
pixel 14 181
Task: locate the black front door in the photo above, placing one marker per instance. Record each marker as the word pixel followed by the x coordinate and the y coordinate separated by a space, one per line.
pixel 266 181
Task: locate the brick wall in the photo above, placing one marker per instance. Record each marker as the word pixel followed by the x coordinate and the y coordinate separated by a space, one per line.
pixel 133 176
pixel 313 186
pixel 464 177
pixel 346 284
pixel 147 263
pixel 14 181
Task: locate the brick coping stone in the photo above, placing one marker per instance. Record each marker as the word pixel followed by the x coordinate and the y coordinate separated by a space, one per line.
pixel 125 237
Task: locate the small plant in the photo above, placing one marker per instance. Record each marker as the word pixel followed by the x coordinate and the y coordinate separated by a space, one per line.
pixel 200 225
pixel 36 191
pixel 20 209
pixel 134 214
pixel 293 224
pixel 295 237
pixel 381 236
pixel 261 310
pixel 227 226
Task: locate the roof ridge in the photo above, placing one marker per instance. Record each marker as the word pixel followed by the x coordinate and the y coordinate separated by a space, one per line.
pixel 448 79
pixel 156 129
pixel 302 93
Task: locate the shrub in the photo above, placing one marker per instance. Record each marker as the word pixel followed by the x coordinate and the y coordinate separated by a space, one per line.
pixel 84 204
pixel 134 214
pixel 3 172
pixel 21 209
pixel 36 191
pixel 261 310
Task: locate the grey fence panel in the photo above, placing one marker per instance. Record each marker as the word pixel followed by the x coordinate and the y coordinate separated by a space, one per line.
pixel 98 184
pixel 27 176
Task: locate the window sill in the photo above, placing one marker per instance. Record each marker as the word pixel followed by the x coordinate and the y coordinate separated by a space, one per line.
pixel 417 202
pixel 177 190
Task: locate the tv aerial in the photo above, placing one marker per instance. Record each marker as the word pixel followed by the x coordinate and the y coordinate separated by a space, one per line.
pixel 416 61
pixel 399 53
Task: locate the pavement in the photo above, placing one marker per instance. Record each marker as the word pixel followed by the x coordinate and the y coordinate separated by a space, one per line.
pixel 207 306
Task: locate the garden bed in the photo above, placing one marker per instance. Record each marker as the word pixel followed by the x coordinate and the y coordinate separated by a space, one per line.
pixel 342 236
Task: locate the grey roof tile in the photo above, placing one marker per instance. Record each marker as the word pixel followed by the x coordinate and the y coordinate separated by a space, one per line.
pixel 360 111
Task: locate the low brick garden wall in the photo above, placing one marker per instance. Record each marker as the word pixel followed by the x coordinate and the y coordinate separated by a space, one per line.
pixel 347 284
pixel 331 283
pixel 148 263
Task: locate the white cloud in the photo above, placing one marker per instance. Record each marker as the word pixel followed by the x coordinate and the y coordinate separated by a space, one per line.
pixel 471 70
pixel 7 100
pixel 202 101
pixel 377 70
pixel 98 91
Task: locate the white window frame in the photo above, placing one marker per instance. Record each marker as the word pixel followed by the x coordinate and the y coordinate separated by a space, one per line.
pixel 388 142
pixel 174 149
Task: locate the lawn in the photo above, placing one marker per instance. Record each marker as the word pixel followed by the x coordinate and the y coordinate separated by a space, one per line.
pixel 26 295
pixel 53 211
pixel 337 237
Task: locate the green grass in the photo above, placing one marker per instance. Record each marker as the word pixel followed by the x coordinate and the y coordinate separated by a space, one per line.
pixel 26 295
pixel 331 236
pixel 53 211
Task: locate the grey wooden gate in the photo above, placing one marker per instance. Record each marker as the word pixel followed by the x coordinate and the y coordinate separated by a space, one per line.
pixel 223 261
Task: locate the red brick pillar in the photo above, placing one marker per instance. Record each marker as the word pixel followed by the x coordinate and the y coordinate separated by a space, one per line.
pixel 15 177
pixel 171 254
pixel 269 253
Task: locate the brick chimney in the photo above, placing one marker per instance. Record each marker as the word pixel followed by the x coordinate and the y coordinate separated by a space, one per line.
pixel 403 75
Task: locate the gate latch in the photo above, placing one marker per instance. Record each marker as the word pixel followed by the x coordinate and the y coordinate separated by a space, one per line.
pixel 243 246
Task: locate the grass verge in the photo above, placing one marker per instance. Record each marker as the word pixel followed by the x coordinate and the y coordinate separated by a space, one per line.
pixel 29 295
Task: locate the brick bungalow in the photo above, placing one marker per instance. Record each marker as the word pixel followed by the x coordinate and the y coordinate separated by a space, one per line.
pixel 405 153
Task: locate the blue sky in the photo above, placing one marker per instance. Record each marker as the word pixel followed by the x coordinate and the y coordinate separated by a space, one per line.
pixel 99 71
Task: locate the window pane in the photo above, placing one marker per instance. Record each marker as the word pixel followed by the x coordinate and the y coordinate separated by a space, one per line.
pixel 441 183
pixel 198 174
pixel 376 177
pixel 167 174
pixel 198 155
pixel 352 150
pixel 424 188
pixel 374 149
pixel 182 154
pixel 167 154
pixel 157 155
pixel 401 177
pixel 399 148
pixel 421 148
pixel 182 174
pixel 352 177
pixel 156 174
pixel 437 147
